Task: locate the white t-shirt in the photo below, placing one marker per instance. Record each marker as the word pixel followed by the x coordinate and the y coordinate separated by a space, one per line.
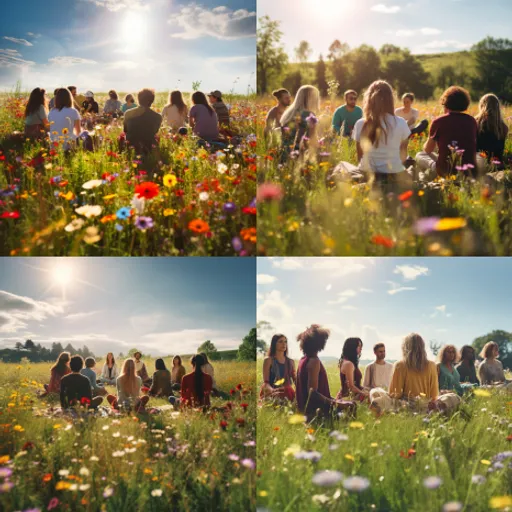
pixel 411 117
pixel 386 157
pixel 60 120
pixel 382 374
pixel 173 117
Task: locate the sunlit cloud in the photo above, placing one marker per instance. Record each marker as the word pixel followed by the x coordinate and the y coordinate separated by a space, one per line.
pixel 386 9
pixel 23 42
pixel 70 61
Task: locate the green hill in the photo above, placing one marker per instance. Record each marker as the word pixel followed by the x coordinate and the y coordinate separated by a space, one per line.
pixel 464 60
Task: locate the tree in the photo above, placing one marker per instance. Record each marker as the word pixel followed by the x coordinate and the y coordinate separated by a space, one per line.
pixel 337 56
pixel 504 341
pixel 293 81
pixel 303 52
pixel 30 345
pixel 133 351
pixel 389 49
pixel 337 50
pixel 208 348
pixel 493 62
pixel 321 79
pixel 435 347
pixel 56 350
pixel 19 345
pixel 69 348
pixel 247 350
pixel 261 345
pixel 365 66
pixel 271 57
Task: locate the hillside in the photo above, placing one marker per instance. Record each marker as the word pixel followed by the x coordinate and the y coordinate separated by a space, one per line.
pixel 464 60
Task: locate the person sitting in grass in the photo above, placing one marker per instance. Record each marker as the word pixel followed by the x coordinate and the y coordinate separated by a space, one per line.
pixel 411 115
pixel 90 105
pixel 492 133
pixel 64 119
pixel 346 116
pixel 129 103
pixel 221 109
pixel 161 385
pixel 350 374
pixel 490 370
pixel 208 369
pixel 449 378
pixel 112 106
pixel 312 392
pixel 75 388
pixel 110 372
pixel 78 99
pixel 298 123
pixel 141 124
pixel 196 386
pixel 129 386
pixel 466 367
pixel 203 118
pixel 278 371
pixel 36 115
pixel 177 373
pixel 141 369
pixel 453 134
pixel 51 104
pixel 89 372
pixel 378 374
pixel 175 113
pixel 382 139
pixel 57 371
pixel 273 119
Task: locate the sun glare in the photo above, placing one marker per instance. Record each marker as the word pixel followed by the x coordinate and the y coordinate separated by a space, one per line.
pixel 133 31
pixel 62 275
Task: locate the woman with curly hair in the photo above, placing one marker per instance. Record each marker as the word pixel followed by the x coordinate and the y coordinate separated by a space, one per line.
pixel 449 378
pixel 278 371
pixel 350 374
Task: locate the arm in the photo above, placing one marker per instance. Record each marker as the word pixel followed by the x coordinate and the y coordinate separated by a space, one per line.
pixel 430 145
pixel 359 150
pixel 396 388
pixel 152 389
pixel 269 120
pixel 348 368
pixel 481 374
pixel 267 388
pixel 366 380
pixel 76 126
pixel 434 383
pixel 403 150
pixel 313 373
pixel 336 121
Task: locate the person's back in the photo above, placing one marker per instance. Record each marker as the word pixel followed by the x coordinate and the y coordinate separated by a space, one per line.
pixel 91 375
pixel 189 396
pixel 222 112
pixel 62 123
pixel 173 117
pixel 409 383
pixel 384 157
pixel 141 125
pixel 491 371
pixel 36 117
pixel 124 395
pixel 55 380
pixel 488 143
pixel 73 388
pixel 302 390
pixel 161 383
pixel 206 122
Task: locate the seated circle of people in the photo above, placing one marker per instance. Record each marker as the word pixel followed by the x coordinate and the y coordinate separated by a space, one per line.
pixel 278 371
pixel 75 388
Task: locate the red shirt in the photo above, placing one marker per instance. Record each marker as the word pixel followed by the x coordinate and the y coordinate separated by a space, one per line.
pixel 302 383
pixel 454 129
pixel 188 390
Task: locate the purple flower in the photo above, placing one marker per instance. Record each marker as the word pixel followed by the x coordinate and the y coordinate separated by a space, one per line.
pixel 432 482
pixel 237 244
pixel 144 223
pixel 313 456
pixel 425 225
pixel 5 472
pixel 6 487
pixel 248 463
pixel 312 119
pixel 229 207
pixel 233 456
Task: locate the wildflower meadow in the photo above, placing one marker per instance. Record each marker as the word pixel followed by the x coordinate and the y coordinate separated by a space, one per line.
pixel 183 199
pixel 302 211
pixel 401 461
pixel 164 459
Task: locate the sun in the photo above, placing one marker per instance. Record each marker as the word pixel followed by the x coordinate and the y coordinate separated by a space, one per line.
pixel 133 31
pixel 62 275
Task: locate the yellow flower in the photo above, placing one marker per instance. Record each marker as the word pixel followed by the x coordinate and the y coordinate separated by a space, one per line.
pixel 349 457
pixel 19 428
pixel 57 426
pixel 500 502
pixel 296 419
pixel 482 392
pixel 62 486
pixel 486 462
pixel 449 223
pixel 170 180
pixel 293 226
pixel 279 382
pixel 169 211
pixel 356 424
pixel 291 450
pixel 109 196
pixel 348 202
pixel 421 193
pixel 263 494
pixel 148 471
pixel 65 131
pixel 4 459
pixel 11 404
pixel 374 445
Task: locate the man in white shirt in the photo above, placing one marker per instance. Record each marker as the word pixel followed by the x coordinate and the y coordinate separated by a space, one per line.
pixel 379 373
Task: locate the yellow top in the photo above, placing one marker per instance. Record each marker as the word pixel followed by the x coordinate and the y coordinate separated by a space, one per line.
pixel 407 383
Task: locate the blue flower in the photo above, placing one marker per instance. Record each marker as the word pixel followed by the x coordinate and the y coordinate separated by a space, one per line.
pixel 123 213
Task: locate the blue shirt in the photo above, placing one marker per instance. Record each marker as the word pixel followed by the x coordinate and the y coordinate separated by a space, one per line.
pixel 348 119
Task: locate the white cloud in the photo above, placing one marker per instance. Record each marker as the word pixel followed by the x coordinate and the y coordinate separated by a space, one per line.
pixel 79 316
pixel 221 23
pixel 123 64
pixel 396 288
pixel 365 290
pixel 265 279
pixel 274 309
pixel 386 9
pixel 117 5
pixel 440 311
pixel 328 287
pixel 339 300
pixel 426 31
pixel 338 267
pixel 404 33
pixel 70 61
pixel 287 263
pixel 349 307
pixel 411 272
pixel 12 58
pixel 23 42
pixel 446 43
pixel 20 308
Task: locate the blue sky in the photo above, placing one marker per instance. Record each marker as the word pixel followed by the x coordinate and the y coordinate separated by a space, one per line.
pixel 160 305
pixel 423 26
pixel 129 44
pixel 450 300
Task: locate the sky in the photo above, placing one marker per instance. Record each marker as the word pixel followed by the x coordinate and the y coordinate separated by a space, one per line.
pixel 423 26
pixel 162 306
pixel 129 44
pixel 449 300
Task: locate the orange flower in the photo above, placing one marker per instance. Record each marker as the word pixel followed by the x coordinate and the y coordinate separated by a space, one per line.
pixel 405 195
pixel 198 226
pixel 382 240
pixel 148 190
pixel 108 218
pixel 47 477
pixel 249 234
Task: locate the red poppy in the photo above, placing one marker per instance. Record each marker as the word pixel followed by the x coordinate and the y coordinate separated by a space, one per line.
pixel 382 240
pixel 249 210
pixel 10 215
pixel 244 406
pixel 29 445
pixel 148 190
pixel 198 226
pixel 232 392
pixel 411 452
pixel 405 195
pixel 240 422
pixel 509 437
pixel 47 477
pixel 179 192
pixel 223 424
pixel 239 387
pixel 85 401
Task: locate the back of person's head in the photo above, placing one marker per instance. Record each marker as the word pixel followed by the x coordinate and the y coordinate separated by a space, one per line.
pixel 306 99
pixel 128 367
pixel 113 95
pixel 467 352
pixel 204 355
pixel 160 364
pixel 489 117
pixel 273 345
pixel 408 96
pixel 313 339
pixel 63 99
pixel 90 362
pixel 146 97
pixel 350 91
pixel 378 102
pixel 76 363
pixel 456 99
pixel 176 99
pixel 280 92
pixel 35 100
pixel 198 361
pixel 129 97
pixel 349 351
pixel 128 377
pixel 72 89
pixel 444 350
pixel 414 353
pixel 199 98
pixel 62 363
pixel 488 350
pixel 55 91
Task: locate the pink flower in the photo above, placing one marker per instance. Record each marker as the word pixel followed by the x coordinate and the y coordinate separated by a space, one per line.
pixel 54 503
pixel 269 192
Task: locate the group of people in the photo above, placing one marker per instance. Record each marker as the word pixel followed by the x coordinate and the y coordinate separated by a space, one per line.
pixel 61 118
pixel 77 383
pixel 413 381
pixel 456 140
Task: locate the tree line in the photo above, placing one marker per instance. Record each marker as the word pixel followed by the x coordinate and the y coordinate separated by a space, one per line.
pixel 344 68
pixel 37 353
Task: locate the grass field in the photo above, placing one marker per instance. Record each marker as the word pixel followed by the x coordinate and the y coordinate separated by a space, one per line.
pixel 458 463
pixel 308 215
pixel 198 202
pixel 170 461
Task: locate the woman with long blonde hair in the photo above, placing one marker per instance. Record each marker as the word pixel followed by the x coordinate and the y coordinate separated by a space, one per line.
pixel 492 132
pixel 175 113
pixel 298 123
pixel 128 389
